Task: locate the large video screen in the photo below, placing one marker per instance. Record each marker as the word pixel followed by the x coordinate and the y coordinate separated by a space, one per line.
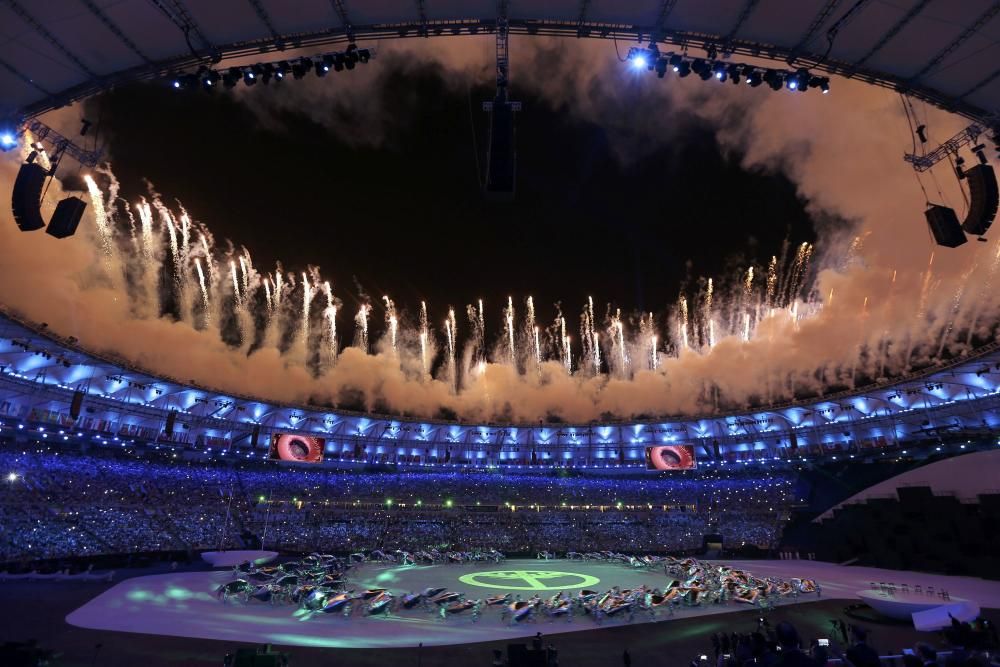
pixel 297 448
pixel 670 457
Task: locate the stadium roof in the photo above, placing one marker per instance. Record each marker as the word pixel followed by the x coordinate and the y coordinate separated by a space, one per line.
pixel 57 51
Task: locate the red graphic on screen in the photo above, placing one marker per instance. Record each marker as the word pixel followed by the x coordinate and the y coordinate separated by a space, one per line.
pixel 670 457
pixel 300 448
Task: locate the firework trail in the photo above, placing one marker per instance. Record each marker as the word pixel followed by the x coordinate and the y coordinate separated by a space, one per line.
pixel 424 362
pixel 391 322
pixel 361 328
pixel 538 349
pixel 684 322
pixel 451 330
pixel 236 284
pixel 772 281
pixel 146 228
pixel 100 215
pixel 204 289
pixel 508 315
pixel 307 295
pixel 710 326
pixel 330 315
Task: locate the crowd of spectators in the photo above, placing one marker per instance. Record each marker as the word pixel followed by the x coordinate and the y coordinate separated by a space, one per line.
pixel 968 645
pixel 58 503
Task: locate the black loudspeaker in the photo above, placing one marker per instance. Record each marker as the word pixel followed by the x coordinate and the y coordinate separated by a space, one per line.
pixel 169 427
pixel 983 199
pixel 715 449
pixel 27 198
pixel 944 226
pixel 501 159
pixel 76 404
pixel 255 436
pixel 66 218
pixel 793 441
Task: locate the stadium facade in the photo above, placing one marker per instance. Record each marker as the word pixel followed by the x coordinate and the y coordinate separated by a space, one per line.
pixel 115 403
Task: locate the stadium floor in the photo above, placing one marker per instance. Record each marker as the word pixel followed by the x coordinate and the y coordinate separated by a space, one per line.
pixel 38 609
pixel 183 604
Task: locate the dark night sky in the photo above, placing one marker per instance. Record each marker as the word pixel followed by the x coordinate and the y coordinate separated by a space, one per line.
pixel 407 218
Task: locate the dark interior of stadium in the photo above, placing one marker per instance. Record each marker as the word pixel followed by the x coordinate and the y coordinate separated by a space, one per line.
pixel 580 333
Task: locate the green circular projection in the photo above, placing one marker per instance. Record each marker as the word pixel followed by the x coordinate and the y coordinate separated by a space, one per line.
pixel 529 580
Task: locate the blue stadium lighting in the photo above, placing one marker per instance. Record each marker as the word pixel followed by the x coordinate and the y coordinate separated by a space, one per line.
pixel 639 62
pixel 792 85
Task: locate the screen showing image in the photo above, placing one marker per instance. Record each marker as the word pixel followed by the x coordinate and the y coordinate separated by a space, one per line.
pixel 300 448
pixel 670 457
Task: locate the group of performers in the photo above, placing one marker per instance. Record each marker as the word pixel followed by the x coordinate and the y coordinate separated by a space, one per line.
pixel 319 583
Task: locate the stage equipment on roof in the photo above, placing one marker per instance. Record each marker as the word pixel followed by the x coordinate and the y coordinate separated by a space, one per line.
pixel 652 60
pixel 249 75
pixel 66 218
pixel 980 179
pixel 944 226
pixel 27 198
pixel 501 156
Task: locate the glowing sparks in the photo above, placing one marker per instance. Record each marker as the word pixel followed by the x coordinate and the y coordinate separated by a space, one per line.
pixel 201 283
pixel 361 322
pixel 330 315
pixel 100 214
pixel 392 323
pixel 424 362
pixel 538 349
pixel 236 284
pixel 451 333
pixel 684 322
pixel 509 319
pixel 307 295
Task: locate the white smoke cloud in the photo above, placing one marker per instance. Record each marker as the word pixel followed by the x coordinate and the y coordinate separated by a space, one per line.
pixel 877 306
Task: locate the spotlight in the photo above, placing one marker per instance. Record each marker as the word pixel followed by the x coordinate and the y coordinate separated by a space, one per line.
pixel 773 79
pixel 733 71
pixel 301 67
pixel 364 55
pixel 338 62
pixel 639 62
pixel 351 56
pixel 720 71
pixel 281 70
pixel 232 75
pixel 249 78
pixel 684 69
pixel 321 68
pixel 701 68
pixel 798 81
pixel 209 79
pixel 8 140
pixel 661 67
pixel 675 62
pixel 821 82
pixel 755 78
